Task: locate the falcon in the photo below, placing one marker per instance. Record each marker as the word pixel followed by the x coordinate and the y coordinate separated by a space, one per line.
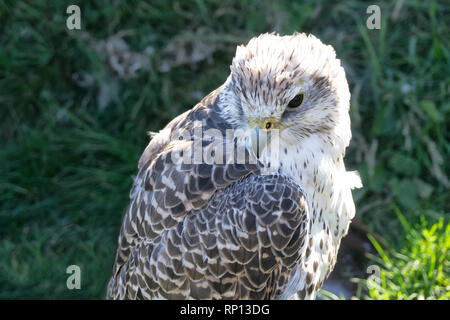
pixel 246 195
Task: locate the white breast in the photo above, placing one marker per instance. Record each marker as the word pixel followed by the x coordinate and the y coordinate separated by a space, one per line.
pixel 320 172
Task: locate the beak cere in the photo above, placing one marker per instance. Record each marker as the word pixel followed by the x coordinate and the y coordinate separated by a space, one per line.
pixel 268 124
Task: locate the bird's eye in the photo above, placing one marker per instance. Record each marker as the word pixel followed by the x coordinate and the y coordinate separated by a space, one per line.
pixel 296 102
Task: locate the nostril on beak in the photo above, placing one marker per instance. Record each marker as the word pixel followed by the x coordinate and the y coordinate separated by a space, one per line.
pixel 268 125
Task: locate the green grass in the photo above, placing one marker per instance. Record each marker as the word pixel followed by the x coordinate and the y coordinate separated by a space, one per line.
pixel 419 270
pixel 72 127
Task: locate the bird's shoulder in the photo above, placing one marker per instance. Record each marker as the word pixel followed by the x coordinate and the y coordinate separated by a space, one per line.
pixel 175 185
pixel 204 110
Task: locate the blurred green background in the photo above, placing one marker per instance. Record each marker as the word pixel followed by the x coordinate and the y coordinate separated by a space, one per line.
pixel 75 108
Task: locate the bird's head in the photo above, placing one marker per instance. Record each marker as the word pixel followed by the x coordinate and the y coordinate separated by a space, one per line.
pixel 293 84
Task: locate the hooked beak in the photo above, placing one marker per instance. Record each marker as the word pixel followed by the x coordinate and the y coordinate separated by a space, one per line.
pixel 261 134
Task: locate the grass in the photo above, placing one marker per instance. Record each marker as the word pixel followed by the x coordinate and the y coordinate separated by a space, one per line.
pixel 73 123
pixel 418 271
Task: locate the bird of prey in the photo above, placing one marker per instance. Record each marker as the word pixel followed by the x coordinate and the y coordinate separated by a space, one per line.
pixel 219 210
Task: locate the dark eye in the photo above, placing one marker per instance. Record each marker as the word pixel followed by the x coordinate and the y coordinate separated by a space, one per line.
pixel 297 101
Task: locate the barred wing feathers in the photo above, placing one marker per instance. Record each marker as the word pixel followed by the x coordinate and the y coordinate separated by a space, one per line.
pixel 206 231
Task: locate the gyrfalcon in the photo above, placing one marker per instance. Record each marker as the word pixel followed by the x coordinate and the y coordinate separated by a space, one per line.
pixel 246 195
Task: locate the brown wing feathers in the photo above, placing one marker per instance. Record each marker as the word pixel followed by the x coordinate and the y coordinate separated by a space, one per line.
pixel 207 231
